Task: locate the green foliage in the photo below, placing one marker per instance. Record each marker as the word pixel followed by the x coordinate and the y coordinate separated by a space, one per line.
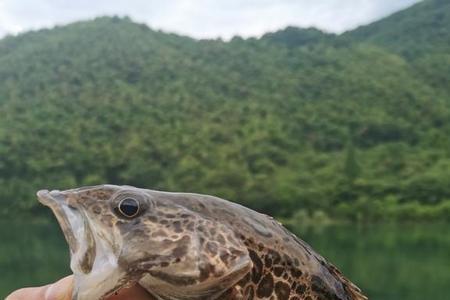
pixel 297 37
pixel 264 122
pixel 413 32
pixel 352 168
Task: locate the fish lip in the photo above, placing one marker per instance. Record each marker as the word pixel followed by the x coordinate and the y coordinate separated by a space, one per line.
pixel 56 205
pixel 75 227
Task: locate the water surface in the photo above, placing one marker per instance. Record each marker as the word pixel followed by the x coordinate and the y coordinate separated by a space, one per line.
pixel 389 262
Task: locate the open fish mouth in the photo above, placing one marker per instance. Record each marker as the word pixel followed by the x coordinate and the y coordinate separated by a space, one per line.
pixel 92 261
pixel 75 227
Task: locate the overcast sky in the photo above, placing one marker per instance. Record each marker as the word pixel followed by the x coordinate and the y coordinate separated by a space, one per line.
pixel 201 18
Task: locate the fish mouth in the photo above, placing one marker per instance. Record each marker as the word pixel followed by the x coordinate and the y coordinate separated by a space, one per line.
pixel 92 260
pixel 75 227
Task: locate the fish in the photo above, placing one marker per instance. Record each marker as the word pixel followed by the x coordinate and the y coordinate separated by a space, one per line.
pixel 186 246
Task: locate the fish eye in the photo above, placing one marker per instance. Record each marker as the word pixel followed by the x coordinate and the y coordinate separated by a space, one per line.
pixel 128 207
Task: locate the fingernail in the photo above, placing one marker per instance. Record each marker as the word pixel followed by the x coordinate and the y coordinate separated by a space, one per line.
pixel 60 290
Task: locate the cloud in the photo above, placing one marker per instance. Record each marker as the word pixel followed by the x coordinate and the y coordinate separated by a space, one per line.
pixel 201 18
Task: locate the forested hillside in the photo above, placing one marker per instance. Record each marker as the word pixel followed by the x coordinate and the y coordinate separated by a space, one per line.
pixel 296 123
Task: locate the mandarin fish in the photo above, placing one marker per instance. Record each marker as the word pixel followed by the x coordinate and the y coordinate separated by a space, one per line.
pixel 182 246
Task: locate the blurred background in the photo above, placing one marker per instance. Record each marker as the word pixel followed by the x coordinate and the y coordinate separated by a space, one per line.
pixel 334 117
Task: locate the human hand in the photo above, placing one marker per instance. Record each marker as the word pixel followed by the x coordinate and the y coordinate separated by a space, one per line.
pixel 62 290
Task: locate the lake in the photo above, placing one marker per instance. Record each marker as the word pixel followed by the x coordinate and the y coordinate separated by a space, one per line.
pixel 389 262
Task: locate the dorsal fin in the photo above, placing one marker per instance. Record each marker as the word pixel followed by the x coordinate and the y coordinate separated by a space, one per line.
pixel 353 291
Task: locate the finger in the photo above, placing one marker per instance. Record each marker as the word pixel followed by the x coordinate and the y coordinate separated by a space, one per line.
pixel 35 293
pixel 135 292
pixel 60 290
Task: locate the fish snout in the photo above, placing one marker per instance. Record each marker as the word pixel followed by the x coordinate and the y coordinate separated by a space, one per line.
pixel 47 197
pixel 56 198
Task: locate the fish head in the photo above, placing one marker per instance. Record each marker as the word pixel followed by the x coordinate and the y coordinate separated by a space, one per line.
pixel 120 235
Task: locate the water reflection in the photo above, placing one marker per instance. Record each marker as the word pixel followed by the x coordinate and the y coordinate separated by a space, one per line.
pixel 31 253
pixel 388 262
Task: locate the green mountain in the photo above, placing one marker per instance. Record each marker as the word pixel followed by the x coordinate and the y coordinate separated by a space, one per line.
pixel 296 122
pixel 420 34
pixel 297 37
pixel 415 32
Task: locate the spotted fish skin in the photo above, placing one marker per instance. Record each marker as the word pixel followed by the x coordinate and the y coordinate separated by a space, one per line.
pixel 183 246
pixel 283 266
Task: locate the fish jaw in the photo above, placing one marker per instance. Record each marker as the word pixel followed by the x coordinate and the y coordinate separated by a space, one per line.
pixel 70 222
pixel 92 261
pixel 105 278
